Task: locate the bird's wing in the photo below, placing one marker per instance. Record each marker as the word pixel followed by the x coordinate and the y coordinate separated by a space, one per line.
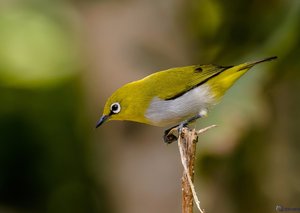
pixel 175 82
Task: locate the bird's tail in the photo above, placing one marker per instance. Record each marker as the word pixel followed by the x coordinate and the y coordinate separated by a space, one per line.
pixel 221 83
pixel 248 65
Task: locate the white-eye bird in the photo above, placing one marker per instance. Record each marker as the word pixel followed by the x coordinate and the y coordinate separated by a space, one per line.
pixel 175 96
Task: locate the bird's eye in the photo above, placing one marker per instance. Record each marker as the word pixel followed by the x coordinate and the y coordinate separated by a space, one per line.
pixel 115 108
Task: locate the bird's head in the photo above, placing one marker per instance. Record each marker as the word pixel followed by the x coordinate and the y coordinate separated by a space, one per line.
pixel 124 104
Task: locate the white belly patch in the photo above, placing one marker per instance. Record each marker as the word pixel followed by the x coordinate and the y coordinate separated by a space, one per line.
pixel 167 112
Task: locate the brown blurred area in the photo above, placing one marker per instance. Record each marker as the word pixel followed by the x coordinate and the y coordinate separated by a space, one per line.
pixel 61 60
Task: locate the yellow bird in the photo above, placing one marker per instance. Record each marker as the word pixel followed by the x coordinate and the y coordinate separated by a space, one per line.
pixel 176 96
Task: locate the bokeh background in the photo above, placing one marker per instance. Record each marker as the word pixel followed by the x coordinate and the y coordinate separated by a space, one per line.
pixel 60 60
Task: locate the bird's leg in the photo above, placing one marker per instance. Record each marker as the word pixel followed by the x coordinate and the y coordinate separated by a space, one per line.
pixel 170 137
pixel 192 119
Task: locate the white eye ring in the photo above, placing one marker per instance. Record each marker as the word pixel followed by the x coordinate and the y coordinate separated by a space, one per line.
pixel 115 108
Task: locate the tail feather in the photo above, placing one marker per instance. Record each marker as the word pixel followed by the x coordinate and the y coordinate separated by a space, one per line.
pixel 251 64
pixel 222 82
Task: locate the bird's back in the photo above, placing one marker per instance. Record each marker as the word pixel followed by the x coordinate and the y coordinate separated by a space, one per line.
pixel 172 83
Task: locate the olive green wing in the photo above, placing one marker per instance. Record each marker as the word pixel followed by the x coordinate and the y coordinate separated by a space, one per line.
pixel 175 82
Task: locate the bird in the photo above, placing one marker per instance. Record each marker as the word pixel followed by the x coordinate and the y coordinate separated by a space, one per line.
pixel 176 96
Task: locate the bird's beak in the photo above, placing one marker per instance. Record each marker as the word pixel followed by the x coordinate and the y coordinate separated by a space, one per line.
pixel 102 120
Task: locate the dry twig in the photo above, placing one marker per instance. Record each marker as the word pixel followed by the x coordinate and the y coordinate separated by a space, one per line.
pixel 187 147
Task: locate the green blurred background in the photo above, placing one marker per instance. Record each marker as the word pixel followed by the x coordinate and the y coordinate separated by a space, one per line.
pixel 60 60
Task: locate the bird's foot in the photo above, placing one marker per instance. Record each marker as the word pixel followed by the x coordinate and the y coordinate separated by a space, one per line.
pixel 173 133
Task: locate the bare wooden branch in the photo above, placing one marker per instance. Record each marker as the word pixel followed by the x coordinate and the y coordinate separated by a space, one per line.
pixel 187 147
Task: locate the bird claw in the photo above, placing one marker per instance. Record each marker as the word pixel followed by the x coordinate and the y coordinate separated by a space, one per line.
pixel 169 137
pixel 173 133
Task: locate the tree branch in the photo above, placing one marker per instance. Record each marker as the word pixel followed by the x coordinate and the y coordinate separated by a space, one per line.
pixel 187 141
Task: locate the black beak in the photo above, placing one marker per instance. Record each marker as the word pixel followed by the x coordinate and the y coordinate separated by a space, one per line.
pixel 102 120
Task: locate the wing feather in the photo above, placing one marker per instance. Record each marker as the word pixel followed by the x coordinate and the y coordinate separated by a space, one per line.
pixel 175 82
